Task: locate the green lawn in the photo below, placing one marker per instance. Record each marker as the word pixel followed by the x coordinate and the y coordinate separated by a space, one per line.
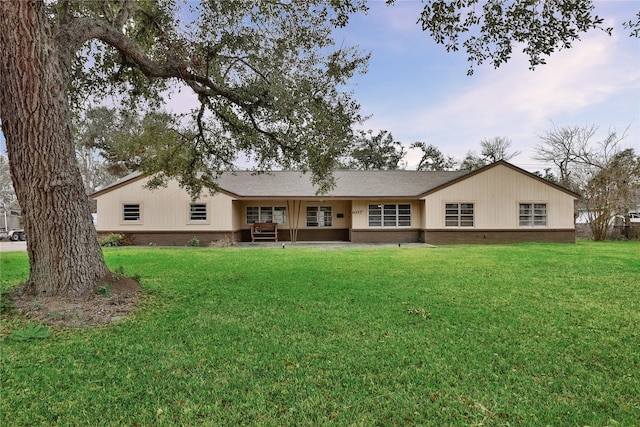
pixel 519 335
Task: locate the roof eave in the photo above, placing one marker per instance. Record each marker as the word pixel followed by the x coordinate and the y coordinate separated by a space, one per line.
pixel 325 197
pixel 118 184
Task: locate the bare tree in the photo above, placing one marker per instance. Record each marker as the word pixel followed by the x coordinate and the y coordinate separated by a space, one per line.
pixel 496 149
pixel 610 192
pixel 606 175
pixel 492 150
pixel 93 169
pixel 7 193
pixel 566 147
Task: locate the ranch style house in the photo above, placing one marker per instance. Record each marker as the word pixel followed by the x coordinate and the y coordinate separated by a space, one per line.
pixel 499 203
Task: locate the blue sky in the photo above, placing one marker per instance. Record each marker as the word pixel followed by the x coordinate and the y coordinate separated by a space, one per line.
pixel 419 92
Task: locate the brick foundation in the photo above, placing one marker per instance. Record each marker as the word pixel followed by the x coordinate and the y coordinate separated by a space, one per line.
pixel 434 237
pixel 452 237
pixel 168 238
pixel 386 236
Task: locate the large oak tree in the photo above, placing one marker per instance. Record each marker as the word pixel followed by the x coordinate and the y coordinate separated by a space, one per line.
pixel 266 73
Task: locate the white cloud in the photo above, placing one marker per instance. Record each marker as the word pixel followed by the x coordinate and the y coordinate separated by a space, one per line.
pixel 516 102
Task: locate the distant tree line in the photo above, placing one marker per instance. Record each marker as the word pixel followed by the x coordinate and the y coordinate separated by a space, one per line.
pixel 383 152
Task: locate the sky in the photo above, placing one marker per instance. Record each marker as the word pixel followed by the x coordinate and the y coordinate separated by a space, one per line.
pixel 419 92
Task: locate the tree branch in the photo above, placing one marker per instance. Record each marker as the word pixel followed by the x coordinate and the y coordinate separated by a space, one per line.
pixel 84 29
pixel 125 13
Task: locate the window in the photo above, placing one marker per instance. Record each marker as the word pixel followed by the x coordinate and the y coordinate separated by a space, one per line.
pixel 276 214
pixel 318 216
pixel 390 215
pixel 198 212
pixel 131 212
pixel 458 215
pixel 533 214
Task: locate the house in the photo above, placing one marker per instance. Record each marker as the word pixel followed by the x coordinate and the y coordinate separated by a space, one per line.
pixel 499 203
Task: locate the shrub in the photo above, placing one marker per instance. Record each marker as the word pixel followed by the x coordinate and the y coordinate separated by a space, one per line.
pixel 195 242
pixel 112 240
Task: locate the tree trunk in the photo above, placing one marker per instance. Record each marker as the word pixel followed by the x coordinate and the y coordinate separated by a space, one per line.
pixel 64 254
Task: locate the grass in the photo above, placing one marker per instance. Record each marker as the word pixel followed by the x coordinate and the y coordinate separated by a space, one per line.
pixel 526 335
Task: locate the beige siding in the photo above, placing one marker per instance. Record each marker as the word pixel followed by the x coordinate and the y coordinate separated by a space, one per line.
pixel 497 194
pixel 298 212
pixel 167 209
pixel 237 215
pixel 360 213
pixel 161 209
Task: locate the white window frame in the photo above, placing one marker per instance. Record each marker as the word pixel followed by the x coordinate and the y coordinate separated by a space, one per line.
pixel 535 215
pixel 277 214
pixel 123 211
pixel 320 216
pixel 196 220
pixel 459 214
pixel 390 215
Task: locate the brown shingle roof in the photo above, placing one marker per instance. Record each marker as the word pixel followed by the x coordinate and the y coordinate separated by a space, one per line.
pixel 349 184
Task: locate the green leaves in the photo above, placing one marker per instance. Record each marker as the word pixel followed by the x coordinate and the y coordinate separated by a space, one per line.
pixel 267 77
pixel 433 158
pixel 489 30
pixel 375 152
